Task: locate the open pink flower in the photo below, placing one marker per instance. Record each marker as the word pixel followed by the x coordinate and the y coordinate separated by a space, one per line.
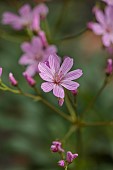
pixel 35 52
pixel 57 77
pixel 104 24
pixel 56 146
pixel 109 2
pixel 26 18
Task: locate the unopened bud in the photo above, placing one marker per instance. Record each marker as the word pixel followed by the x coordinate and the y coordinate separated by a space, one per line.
pixel 12 80
pixel 29 79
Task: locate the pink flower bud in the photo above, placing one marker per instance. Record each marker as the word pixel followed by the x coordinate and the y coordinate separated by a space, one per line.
pixel 12 80
pixel 74 92
pixel 109 68
pixel 70 157
pixel 36 23
pixel 61 163
pixel 43 38
pixel 0 72
pixel 29 79
pixel 60 101
pixel 56 147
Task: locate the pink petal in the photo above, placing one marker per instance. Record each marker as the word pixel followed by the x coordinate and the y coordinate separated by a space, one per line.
pixel 25 10
pixel 97 28
pixel 109 13
pixel 47 87
pixel 106 40
pixel 36 44
pixel 45 77
pixel 73 75
pixel 43 68
pixel 54 63
pixel 70 85
pixel 99 15
pixel 31 70
pixel 26 47
pixel 26 59
pixel 41 9
pixel 58 91
pixel 51 49
pixel 66 65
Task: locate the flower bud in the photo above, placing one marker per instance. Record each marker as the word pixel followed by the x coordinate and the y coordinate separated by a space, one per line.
pixel 0 72
pixel 29 79
pixel 12 80
pixel 70 157
pixel 60 101
pixel 56 147
pixel 109 68
pixel 61 163
pixel 43 38
pixel 74 92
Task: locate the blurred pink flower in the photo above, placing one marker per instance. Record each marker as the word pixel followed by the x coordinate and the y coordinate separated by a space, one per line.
pixel 58 77
pixel 104 24
pixel 70 157
pixel 12 80
pixel 56 147
pixel 35 52
pixel 26 18
pixel 109 2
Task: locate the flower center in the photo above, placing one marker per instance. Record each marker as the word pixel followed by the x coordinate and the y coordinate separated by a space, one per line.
pixel 58 77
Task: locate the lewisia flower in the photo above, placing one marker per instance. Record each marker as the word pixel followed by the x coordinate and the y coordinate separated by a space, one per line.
pixel 109 2
pixel 104 24
pixel 109 68
pixel 26 18
pixel 57 78
pixel 35 52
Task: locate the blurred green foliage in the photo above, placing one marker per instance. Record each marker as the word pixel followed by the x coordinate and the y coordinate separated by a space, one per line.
pixel 27 128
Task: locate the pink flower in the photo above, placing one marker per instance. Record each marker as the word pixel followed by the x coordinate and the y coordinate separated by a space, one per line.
pixel 34 53
pixel 26 18
pixel 104 24
pixel 29 79
pixel 56 147
pixel 12 80
pixel 109 2
pixel 109 68
pixel 0 72
pixel 70 157
pixel 61 163
pixel 57 77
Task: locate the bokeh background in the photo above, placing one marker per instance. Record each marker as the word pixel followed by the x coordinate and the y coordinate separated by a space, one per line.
pixel 27 128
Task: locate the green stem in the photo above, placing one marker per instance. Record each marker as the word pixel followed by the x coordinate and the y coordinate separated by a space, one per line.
pixel 56 110
pixel 36 98
pixel 69 37
pixel 89 124
pixel 66 167
pixel 92 102
pixel 72 111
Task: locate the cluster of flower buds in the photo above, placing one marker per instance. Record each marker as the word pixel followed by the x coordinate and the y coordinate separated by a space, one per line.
pixel 57 147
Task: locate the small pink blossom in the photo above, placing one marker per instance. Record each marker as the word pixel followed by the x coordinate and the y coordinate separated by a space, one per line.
pixel 0 72
pixel 56 147
pixel 61 163
pixel 29 79
pixel 70 157
pixel 35 52
pixel 26 18
pixel 12 80
pixel 109 2
pixel 109 68
pixel 104 24
pixel 57 77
